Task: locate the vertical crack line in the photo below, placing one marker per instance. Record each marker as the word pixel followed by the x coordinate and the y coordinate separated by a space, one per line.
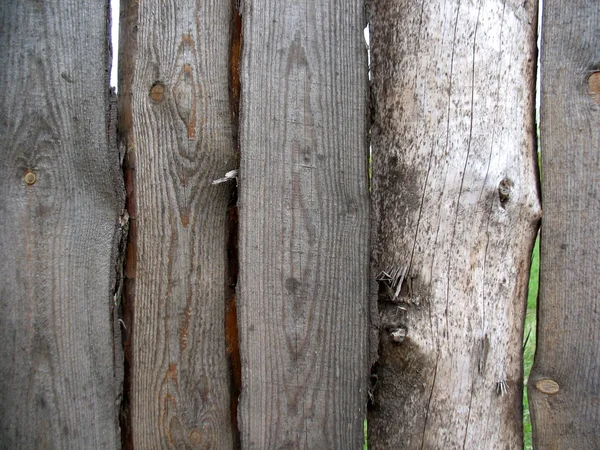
pixel 232 223
pixel 428 409
pixel 128 251
pixel 446 333
pixel 118 258
pixel 464 446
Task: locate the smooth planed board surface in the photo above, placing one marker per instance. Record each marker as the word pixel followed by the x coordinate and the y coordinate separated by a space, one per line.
pixel 456 199
pixel 60 200
pixel 564 385
pixel 177 128
pixel 304 224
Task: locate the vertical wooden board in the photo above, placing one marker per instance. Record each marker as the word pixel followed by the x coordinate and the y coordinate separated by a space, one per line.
pixel 176 121
pixel 60 200
pixel 304 224
pixel 564 386
pixel 456 199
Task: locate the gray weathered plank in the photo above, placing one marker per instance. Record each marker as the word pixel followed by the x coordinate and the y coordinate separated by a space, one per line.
pixel 455 192
pixel 60 200
pixel 304 221
pixel 564 386
pixel 176 122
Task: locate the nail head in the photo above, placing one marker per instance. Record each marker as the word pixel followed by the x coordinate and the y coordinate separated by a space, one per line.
pixel 29 177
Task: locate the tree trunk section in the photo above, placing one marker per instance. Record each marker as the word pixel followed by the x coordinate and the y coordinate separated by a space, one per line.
pixel 564 386
pixel 304 225
pixel 456 200
pixel 61 196
pixel 175 119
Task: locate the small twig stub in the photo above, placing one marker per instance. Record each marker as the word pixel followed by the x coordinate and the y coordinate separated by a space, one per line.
pixel 232 174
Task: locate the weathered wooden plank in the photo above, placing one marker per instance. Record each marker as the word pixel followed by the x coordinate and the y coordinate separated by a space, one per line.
pixel 304 221
pixel 455 192
pixel 176 121
pixel 60 200
pixel 564 386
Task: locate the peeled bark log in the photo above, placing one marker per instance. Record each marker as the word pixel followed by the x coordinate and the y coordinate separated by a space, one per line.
pixel 456 195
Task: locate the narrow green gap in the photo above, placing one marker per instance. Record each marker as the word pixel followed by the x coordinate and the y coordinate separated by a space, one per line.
pixel 529 339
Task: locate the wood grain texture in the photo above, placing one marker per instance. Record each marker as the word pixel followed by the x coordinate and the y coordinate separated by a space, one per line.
pixel 564 386
pixel 456 198
pixel 176 120
pixel 60 200
pixel 304 225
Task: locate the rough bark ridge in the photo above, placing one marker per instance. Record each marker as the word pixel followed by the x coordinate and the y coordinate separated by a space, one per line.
pixel 175 118
pixel 304 225
pixel 456 197
pixel 564 386
pixel 61 198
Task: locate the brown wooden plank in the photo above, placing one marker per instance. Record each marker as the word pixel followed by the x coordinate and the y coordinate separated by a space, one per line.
pixel 455 192
pixel 564 386
pixel 176 120
pixel 304 222
pixel 60 200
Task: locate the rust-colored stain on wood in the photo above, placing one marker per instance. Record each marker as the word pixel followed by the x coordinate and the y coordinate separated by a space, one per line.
pixel 127 50
pixel 183 332
pixel 185 220
pixel 235 54
pixel 131 257
pixel 185 90
pixel 171 374
pixel 233 351
pixel 127 304
pixel 185 99
pixel 231 323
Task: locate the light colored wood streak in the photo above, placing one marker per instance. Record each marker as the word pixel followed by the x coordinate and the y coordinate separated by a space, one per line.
pixel 304 223
pixel 180 141
pixel 564 384
pixel 58 228
pixel 455 191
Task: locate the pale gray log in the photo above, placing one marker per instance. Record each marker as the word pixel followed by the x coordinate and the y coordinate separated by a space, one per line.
pixel 564 386
pixel 176 120
pixel 60 199
pixel 456 196
pixel 304 225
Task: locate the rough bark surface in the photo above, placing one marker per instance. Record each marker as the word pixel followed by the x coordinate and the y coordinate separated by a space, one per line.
pixel 175 118
pixel 564 386
pixel 304 225
pixel 456 198
pixel 60 200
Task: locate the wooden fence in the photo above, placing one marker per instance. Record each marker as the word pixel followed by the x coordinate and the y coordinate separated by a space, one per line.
pixel 224 265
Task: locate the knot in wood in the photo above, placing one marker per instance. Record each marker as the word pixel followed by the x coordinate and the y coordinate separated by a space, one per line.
pixel 547 386
pixel 505 189
pixel 594 86
pixel 157 92
pixel 397 335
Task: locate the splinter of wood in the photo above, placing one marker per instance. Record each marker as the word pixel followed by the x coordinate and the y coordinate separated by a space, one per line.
pixel 394 278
